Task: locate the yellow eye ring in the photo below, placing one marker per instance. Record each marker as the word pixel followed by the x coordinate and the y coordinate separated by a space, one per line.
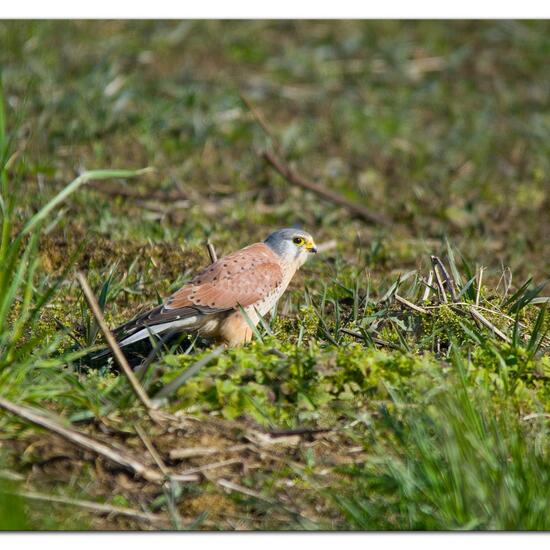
pixel 298 240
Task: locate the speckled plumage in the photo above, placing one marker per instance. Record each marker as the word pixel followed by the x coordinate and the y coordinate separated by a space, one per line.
pixel 253 278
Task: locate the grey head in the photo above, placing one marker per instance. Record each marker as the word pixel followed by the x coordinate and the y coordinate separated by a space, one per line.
pixel 292 244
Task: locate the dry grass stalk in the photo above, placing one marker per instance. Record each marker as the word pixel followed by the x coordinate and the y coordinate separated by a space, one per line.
pixel 11 476
pixel 152 451
pixel 323 192
pixel 479 281
pixel 428 284
pixel 243 490
pixel 440 287
pixel 410 305
pixel 211 252
pixel 484 321
pixel 112 343
pixel 95 507
pixel 439 266
pixel 196 452
pixel 206 467
pixel 82 440
pixel 260 119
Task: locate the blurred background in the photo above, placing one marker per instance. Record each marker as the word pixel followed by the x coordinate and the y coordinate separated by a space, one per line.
pixel 442 126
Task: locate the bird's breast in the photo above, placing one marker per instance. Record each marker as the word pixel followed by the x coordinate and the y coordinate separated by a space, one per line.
pixel 265 305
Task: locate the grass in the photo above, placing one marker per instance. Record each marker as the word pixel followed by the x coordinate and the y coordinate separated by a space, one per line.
pixel 455 461
pixel 352 408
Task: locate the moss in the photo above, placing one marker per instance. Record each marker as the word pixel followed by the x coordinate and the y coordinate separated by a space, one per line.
pixel 304 325
pixel 309 382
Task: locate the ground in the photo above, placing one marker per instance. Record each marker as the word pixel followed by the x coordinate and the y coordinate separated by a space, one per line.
pixel 371 400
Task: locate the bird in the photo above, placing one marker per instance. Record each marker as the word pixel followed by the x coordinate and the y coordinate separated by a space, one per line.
pixel 224 300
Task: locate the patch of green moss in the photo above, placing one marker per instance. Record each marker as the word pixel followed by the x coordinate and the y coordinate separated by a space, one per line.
pixel 299 384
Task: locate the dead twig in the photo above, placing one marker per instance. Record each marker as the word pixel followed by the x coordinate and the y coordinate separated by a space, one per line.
pixel 320 190
pixel 112 343
pixel 260 119
pixel 82 440
pixel 211 252
pixel 410 305
pixel 212 466
pixel 93 506
pixel 438 265
pixel 506 281
pixel 484 321
pixel 195 452
pixel 440 287
pixel 152 451
pixel 532 416
pixel 244 490
pixel 298 431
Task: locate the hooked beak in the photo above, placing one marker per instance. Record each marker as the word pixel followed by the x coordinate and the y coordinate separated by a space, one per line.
pixel 311 248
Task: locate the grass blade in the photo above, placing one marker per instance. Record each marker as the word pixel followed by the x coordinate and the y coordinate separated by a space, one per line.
pixel 73 186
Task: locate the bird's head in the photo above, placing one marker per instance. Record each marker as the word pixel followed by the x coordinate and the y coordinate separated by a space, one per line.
pixel 292 244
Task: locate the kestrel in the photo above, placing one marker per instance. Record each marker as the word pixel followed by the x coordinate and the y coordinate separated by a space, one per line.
pixel 212 303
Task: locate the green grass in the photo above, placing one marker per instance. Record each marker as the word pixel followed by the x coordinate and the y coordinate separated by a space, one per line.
pixel 437 421
pixel 454 461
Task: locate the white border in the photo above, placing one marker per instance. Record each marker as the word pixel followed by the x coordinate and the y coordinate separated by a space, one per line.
pixel 290 9
pixel 269 541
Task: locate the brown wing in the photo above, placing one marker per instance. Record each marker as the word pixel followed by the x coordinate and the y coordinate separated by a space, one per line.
pixel 242 278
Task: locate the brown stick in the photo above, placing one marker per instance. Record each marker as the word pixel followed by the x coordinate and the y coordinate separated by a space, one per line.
pixel 320 190
pixel 93 506
pixel 82 440
pixel 259 118
pixel 211 252
pixel 440 287
pixel 112 343
pixel 438 264
pixel 299 431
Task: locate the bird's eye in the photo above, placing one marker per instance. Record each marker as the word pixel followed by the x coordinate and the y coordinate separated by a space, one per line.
pixel 298 240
